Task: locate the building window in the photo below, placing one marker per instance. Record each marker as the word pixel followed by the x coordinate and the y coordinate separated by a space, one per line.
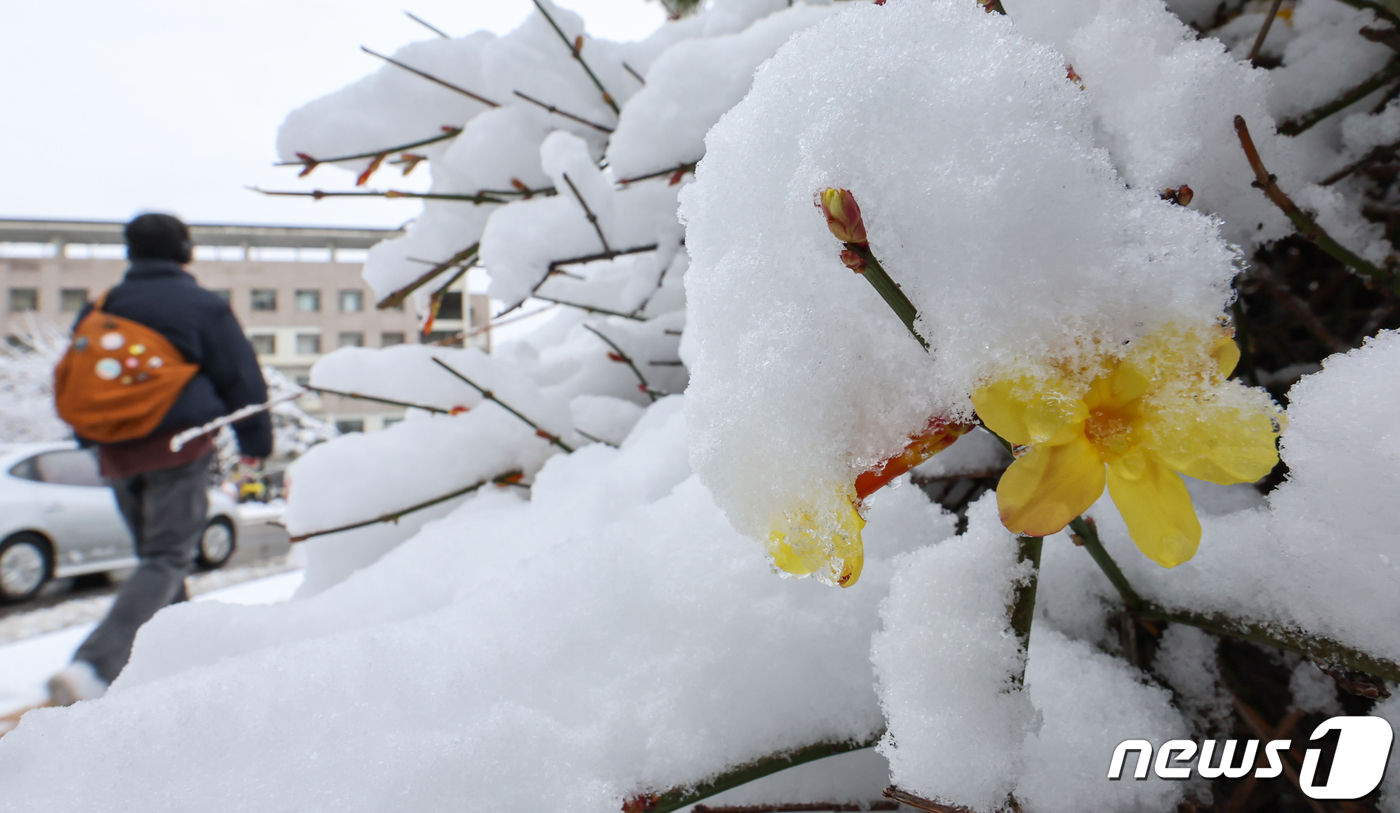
pixel 24 299
pixel 308 301
pixel 263 299
pixel 389 339
pixel 344 427
pixel 308 344
pixel 388 422
pixel 222 293
pixel 72 300
pixel 352 301
pixel 350 339
pixel 450 307
pixel 264 344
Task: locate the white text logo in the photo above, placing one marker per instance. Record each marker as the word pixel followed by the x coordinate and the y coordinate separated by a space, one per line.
pixel 1363 748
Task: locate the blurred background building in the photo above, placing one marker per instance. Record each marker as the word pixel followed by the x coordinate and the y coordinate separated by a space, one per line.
pixel 297 292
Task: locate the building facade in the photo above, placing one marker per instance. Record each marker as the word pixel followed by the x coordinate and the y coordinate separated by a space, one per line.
pixel 296 291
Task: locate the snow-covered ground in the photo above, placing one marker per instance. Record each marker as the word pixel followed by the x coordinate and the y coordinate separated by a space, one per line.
pixel 26 664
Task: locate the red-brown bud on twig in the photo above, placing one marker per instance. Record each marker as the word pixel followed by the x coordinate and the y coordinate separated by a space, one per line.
pixel 1181 196
pixel 853 261
pixel 309 164
pixel 842 215
pixel 369 170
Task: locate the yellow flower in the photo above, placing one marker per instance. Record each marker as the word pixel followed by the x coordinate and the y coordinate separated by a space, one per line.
pixel 1164 407
pixel 821 537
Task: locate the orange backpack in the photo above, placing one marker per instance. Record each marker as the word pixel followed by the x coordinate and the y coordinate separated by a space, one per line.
pixel 118 378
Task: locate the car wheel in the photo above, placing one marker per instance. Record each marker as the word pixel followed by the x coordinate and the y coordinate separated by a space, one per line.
pixel 25 564
pixel 216 544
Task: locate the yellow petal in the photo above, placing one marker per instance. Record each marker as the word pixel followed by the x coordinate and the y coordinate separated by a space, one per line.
pixel 1027 412
pixel 1226 354
pixel 1226 435
pixel 821 538
pixel 1158 511
pixel 1124 384
pixel 1049 486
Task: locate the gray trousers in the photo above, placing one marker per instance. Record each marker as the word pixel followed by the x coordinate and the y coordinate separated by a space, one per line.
pixel 166 511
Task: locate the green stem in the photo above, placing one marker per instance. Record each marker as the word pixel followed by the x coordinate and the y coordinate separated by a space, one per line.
pixel 1382 9
pixel 1023 604
pixel 888 290
pixel 680 797
pixel 1293 127
pixel 1090 536
pixel 1316 646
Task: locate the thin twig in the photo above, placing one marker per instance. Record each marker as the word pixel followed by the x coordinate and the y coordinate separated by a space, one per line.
pixel 1385 152
pixel 490 396
pixel 1268 184
pixel 555 265
pixel 375 193
pixel 378 400
pixel 1300 124
pixel 619 356
pixel 678 169
pixel 431 78
pixel 595 438
pixel 592 218
pixel 919 802
pixel 589 308
pixel 435 301
pixel 556 111
pixel 504 479
pixel 397 297
pixel 1380 10
pixel 1264 31
pixel 308 163
pixel 675 799
pixel 635 75
pixel 1240 797
pixel 1256 724
pixel 836 807
pixel 574 52
pixel 427 25
pixel 1298 307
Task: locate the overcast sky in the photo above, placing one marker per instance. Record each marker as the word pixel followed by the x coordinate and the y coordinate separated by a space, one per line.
pixel 110 108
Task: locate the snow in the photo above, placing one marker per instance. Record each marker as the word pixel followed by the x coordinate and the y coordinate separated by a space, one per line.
pixel 1015 239
pixel 608 627
pixel 946 661
pixel 612 642
pixel 27 664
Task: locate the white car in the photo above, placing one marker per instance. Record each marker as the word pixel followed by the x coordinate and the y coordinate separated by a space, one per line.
pixel 59 519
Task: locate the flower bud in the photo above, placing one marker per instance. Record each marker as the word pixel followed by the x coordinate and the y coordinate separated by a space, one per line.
pixel 842 215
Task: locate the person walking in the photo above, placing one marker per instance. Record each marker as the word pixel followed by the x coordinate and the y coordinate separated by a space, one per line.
pixel 161 494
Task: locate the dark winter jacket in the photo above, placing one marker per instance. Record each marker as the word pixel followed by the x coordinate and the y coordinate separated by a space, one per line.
pixel 161 295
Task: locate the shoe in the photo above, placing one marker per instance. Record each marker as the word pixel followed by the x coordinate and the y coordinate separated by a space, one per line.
pixel 77 681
